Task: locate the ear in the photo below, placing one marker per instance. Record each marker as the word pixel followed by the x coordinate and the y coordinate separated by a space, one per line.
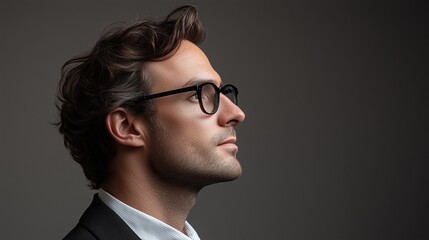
pixel 125 128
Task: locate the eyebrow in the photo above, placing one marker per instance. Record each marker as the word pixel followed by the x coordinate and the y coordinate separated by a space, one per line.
pixel 196 81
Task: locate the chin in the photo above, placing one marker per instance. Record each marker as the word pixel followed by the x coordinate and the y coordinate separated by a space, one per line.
pixel 225 175
pixel 232 173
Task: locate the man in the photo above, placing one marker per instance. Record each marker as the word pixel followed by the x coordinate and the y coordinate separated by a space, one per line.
pixel 145 116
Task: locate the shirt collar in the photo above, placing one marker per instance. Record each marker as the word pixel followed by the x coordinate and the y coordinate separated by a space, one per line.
pixel 144 225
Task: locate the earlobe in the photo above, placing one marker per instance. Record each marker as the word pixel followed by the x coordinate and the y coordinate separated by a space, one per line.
pixel 122 126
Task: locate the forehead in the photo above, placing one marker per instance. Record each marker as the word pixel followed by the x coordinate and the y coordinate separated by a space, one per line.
pixel 189 63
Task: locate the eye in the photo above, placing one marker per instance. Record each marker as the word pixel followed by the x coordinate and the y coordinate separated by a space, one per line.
pixel 193 97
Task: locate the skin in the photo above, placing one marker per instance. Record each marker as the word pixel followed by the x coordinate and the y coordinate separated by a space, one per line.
pixel 160 169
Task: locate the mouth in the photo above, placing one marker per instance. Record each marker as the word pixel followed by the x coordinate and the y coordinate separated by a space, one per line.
pixel 229 141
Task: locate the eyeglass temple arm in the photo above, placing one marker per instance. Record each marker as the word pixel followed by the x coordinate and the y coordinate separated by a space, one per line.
pixel 163 94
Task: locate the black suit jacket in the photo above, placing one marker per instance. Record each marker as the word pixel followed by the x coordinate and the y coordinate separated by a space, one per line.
pixel 99 222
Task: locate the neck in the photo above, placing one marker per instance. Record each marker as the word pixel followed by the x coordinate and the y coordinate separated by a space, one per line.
pixel 142 190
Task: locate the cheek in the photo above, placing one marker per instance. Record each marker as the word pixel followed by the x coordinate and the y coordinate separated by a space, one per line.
pixel 185 123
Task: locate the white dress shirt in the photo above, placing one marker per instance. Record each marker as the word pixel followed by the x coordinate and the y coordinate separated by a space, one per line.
pixel 144 225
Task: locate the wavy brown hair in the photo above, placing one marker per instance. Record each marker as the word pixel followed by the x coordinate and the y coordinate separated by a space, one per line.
pixel 108 77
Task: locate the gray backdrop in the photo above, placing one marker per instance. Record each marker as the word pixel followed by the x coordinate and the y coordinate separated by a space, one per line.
pixel 335 144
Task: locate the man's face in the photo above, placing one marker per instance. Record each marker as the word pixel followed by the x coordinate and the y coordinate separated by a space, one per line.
pixel 188 146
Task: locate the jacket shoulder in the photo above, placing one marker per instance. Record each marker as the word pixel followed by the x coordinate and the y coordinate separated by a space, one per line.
pixel 79 233
pixel 101 222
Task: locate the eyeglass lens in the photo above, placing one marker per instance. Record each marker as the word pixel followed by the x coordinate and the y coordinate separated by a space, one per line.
pixel 210 96
pixel 231 93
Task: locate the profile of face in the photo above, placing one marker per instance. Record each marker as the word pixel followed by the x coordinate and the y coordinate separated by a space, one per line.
pixel 188 146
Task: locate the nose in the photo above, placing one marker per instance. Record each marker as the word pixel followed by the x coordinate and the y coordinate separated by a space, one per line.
pixel 229 114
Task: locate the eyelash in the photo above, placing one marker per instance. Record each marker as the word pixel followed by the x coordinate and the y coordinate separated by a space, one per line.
pixel 193 96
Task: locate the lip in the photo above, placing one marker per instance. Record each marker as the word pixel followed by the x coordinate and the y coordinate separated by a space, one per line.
pixel 229 141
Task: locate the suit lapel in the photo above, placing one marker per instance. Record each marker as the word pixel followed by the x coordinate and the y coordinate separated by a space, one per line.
pixel 104 223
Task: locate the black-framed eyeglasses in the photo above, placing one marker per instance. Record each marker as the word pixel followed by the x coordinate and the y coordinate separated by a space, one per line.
pixel 207 94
